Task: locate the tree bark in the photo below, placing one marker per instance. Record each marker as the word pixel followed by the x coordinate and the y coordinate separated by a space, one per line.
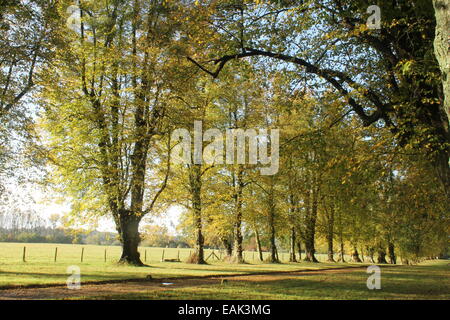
pixel 442 46
pixel 341 252
pixel 310 250
pixel 195 189
pixel 381 256
pixel 371 252
pixel 355 255
pixel 330 250
pixel 442 53
pixel 258 245
pixel 130 238
pixel 228 247
pixel 273 247
pixel 391 252
pixel 310 230
pixel 362 254
pixel 299 248
pixel 330 234
pixel 292 257
pixel 272 234
pixel 239 185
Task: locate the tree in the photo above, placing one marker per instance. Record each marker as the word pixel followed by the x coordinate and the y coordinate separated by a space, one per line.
pixel 26 45
pixel 105 100
pixel 402 89
pixel 441 48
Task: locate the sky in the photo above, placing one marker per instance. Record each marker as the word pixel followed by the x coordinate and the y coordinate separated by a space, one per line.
pixel 44 203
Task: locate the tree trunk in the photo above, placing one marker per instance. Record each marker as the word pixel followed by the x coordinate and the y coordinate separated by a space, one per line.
pixel 130 219
pixel 330 234
pixel 129 236
pixel 355 255
pixel 258 245
pixel 238 241
pixel 199 240
pixel 341 252
pixel 310 250
pixel 273 247
pixel 391 251
pixel 442 53
pixel 299 248
pixel 362 254
pixel 310 229
pixel 442 46
pixel 228 247
pixel 330 250
pixel 195 189
pixel 381 256
pixel 238 217
pixel 292 257
pixel 371 252
pixel 271 206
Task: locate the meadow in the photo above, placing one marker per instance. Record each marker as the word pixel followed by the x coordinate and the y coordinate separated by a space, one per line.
pixel 252 280
pixel 40 266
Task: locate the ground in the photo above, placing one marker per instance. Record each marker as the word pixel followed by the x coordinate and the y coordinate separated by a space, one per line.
pixel 40 268
pixel 429 280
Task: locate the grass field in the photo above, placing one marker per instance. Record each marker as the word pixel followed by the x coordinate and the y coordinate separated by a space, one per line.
pixel 40 267
pixel 429 280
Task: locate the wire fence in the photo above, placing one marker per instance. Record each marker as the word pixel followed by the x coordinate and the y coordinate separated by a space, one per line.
pixel 67 253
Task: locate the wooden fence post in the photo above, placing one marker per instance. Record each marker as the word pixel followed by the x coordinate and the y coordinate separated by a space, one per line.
pixel 24 253
pixel 105 255
pixel 82 254
pixel 162 258
pixel 145 255
pixel 56 254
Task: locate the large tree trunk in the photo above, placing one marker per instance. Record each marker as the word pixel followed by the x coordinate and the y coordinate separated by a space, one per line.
pixel 310 230
pixel 228 247
pixel 330 249
pixel 391 252
pixel 199 240
pixel 362 254
pixel 129 236
pixel 195 189
pixel 258 245
pixel 238 216
pixel 442 53
pixel 271 207
pixel 442 167
pixel 330 234
pixel 355 255
pixel 381 256
pixel 299 248
pixel 273 247
pixel 371 252
pixel 341 252
pixel 292 257
pixel 238 240
pixel 442 46
pixel 129 219
pixel 310 250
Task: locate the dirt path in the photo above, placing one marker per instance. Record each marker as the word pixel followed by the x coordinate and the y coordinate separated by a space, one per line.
pixel 140 285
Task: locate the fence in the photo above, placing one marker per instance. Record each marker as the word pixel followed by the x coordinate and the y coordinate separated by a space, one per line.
pixel 67 253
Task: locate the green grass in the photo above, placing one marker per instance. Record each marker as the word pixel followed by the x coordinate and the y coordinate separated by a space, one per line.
pixel 428 281
pixel 40 267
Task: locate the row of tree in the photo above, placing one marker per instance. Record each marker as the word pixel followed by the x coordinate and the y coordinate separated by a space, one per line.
pixel 364 143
